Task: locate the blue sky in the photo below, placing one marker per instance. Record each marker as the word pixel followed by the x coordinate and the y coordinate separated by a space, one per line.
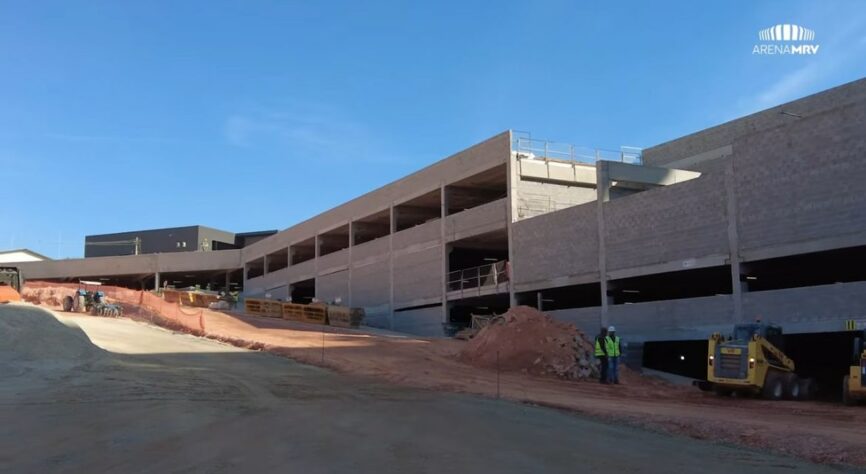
pixel 257 115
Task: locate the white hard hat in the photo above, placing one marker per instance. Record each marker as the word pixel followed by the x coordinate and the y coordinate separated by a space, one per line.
pixel 611 329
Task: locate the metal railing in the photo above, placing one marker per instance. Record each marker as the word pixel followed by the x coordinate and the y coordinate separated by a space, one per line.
pixel 492 275
pixel 546 149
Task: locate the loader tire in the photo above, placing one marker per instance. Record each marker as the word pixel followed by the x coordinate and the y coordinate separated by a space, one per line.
pixel 792 386
pixel 67 303
pixel 847 399
pixel 774 386
pixel 808 389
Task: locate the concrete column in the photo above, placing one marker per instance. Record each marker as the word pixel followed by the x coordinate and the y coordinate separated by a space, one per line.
pixel 511 215
pixel 733 241
pixel 539 301
pixel 393 214
pixel 443 239
pixel 602 196
pixel 316 266
pixel 351 263
pixel 156 281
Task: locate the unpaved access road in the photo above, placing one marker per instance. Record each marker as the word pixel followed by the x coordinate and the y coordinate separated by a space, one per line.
pixel 155 401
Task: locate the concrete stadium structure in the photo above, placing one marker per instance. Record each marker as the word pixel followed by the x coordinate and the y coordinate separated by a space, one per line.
pixel 764 216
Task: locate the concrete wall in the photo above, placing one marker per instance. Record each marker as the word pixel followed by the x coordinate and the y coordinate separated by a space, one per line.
pixel 422 322
pixel 692 318
pixel 716 138
pixel 534 198
pixel 370 250
pixel 334 261
pixel 478 220
pixel 418 277
pixel 370 285
pixel 332 286
pixel 678 222
pixel 815 308
pixel 556 247
pixel 803 183
pixel 823 308
pixel 587 320
pixel 419 236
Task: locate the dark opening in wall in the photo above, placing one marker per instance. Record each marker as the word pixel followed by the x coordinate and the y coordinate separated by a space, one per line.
pixel 476 190
pixel 478 260
pixel 334 240
pixel 563 297
pixel 372 227
pixel 302 251
pixel 303 291
pixel 256 268
pixel 277 260
pixel 672 285
pixel 419 210
pixel 810 269
pixel 460 312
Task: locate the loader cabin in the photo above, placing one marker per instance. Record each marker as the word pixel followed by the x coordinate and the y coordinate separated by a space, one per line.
pixel 770 332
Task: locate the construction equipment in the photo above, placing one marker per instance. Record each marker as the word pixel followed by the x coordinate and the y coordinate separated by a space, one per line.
pixel 854 384
pixel 751 361
pixel 11 282
pixel 88 298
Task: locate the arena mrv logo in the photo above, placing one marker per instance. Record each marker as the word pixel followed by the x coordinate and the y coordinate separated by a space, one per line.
pixel 786 39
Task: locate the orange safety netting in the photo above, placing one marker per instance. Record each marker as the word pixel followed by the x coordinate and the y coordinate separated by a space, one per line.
pixel 136 304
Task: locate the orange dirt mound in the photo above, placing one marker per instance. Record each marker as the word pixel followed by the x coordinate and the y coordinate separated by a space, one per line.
pixel 7 294
pixel 526 340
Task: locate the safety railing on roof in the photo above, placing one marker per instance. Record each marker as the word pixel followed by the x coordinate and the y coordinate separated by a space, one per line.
pixel 471 281
pixel 546 149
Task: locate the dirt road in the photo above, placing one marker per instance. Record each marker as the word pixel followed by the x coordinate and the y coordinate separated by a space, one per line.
pixel 155 401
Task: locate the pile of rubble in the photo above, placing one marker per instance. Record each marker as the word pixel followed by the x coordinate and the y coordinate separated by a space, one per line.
pixel 526 340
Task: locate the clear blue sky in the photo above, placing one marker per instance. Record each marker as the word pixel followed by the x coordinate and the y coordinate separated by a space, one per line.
pixel 256 115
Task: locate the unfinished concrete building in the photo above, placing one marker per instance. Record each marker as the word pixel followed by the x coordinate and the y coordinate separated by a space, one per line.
pixel 761 217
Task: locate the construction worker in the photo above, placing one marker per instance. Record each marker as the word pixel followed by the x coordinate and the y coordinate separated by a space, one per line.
pixel 601 354
pixel 614 351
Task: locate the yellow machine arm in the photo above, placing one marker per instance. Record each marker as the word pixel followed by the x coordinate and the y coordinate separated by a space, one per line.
pixel 781 360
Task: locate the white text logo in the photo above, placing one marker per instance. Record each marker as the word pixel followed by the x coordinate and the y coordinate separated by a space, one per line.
pixel 786 39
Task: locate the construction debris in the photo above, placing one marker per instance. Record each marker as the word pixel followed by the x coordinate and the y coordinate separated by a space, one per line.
pixel 526 340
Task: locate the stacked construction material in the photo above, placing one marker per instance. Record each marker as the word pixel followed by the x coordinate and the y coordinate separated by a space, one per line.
pixel 344 317
pixel 526 340
pixel 263 307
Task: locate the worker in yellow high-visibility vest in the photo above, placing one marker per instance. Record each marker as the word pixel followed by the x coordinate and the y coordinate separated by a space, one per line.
pixel 601 354
pixel 614 350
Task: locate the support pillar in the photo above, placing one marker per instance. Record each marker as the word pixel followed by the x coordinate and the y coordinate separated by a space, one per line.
pixel 602 196
pixel 443 239
pixel 156 281
pixel 393 214
pixel 733 242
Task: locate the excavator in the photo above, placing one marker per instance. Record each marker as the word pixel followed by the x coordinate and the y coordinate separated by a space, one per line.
pixel 751 362
pixel 854 384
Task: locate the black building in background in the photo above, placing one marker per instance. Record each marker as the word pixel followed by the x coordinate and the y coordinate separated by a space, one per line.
pixel 173 239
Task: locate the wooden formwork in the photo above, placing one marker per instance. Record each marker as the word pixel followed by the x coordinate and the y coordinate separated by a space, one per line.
pixel 263 307
pixel 316 313
pixel 293 311
pixel 344 317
